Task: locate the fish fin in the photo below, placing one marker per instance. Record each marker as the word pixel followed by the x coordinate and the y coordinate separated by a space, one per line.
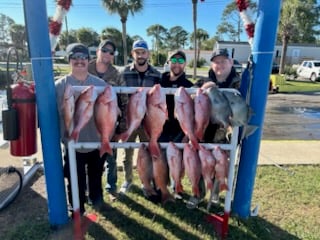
pixel 248 130
pixel 123 136
pixel 229 130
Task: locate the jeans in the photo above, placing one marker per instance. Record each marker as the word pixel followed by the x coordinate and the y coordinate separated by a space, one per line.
pixel 111 172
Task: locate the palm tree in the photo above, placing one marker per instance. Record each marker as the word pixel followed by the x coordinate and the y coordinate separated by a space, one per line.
pixel 18 37
pixel 176 37
pixel 123 7
pixel 201 35
pixel 159 34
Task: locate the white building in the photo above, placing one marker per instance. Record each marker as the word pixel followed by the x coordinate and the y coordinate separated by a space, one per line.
pixel 241 51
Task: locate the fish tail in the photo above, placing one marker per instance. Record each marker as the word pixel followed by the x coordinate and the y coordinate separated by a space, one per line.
pixel 154 148
pixel 196 191
pixel 199 135
pixel 105 148
pixel 75 135
pixel 178 187
pixel 223 187
pixel 166 197
pixel 194 142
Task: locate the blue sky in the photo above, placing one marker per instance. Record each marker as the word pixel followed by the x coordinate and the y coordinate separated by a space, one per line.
pixel 168 13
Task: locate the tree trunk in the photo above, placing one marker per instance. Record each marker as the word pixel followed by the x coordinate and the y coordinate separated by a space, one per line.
pixel 194 5
pixel 124 41
pixel 285 41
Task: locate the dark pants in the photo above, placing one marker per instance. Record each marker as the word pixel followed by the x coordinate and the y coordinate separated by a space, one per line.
pixel 111 172
pixel 94 165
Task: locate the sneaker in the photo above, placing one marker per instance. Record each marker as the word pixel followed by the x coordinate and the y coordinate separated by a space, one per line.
pixel 193 202
pixel 113 196
pixel 125 187
pixel 215 198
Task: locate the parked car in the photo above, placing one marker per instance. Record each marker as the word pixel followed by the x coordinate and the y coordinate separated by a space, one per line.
pixel 309 69
pixel 166 67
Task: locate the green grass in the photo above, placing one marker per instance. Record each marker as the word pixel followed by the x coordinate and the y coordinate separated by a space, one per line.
pixel 288 200
pixel 295 86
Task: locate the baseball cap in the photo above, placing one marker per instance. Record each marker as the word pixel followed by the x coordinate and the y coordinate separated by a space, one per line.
pixel 219 52
pixel 105 42
pixel 140 44
pixel 77 48
pixel 177 52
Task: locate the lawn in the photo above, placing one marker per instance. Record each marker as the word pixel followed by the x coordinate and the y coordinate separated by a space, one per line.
pixel 294 86
pixel 288 200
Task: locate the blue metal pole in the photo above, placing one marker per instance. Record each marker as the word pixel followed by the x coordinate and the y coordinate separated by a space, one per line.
pixel 42 67
pixel 262 54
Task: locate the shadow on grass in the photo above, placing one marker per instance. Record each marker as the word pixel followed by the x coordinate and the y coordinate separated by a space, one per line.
pixel 130 226
pixel 253 228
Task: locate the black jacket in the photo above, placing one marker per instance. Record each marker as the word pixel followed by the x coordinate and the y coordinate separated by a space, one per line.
pixel 171 129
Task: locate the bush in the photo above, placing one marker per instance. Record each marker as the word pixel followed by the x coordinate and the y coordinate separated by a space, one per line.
pixel 158 59
pixel 201 62
pixel 290 71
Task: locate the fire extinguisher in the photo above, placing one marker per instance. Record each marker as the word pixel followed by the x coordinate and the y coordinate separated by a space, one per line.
pixel 19 120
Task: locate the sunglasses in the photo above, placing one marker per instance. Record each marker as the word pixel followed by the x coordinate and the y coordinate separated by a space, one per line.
pixel 79 57
pixel 177 60
pixel 107 50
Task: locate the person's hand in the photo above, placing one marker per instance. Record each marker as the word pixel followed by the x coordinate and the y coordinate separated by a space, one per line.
pixel 208 85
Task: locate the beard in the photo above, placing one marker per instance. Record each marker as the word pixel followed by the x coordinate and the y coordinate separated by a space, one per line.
pixel 141 61
pixel 177 74
pixel 176 71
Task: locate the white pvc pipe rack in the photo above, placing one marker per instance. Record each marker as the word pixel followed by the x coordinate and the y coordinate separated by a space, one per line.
pixel 231 147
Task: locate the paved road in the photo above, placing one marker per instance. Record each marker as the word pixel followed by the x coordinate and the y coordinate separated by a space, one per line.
pixel 292 117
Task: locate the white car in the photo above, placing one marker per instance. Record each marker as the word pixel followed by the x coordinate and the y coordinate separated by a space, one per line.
pixel 166 67
pixel 309 69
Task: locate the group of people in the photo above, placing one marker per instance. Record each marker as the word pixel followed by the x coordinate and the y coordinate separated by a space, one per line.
pixel 101 72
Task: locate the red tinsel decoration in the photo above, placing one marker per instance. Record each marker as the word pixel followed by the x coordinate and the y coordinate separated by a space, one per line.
pixel 55 27
pixel 250 30
pixel 64 3
pixel 242 5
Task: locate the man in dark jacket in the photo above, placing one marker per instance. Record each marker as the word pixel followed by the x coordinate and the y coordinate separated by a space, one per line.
pixel 223 75
pixel 174 79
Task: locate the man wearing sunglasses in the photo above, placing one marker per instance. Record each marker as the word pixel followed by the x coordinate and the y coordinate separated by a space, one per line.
pixel 174 79
pixel 137 74
pixel 78 56
pixel 103 67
